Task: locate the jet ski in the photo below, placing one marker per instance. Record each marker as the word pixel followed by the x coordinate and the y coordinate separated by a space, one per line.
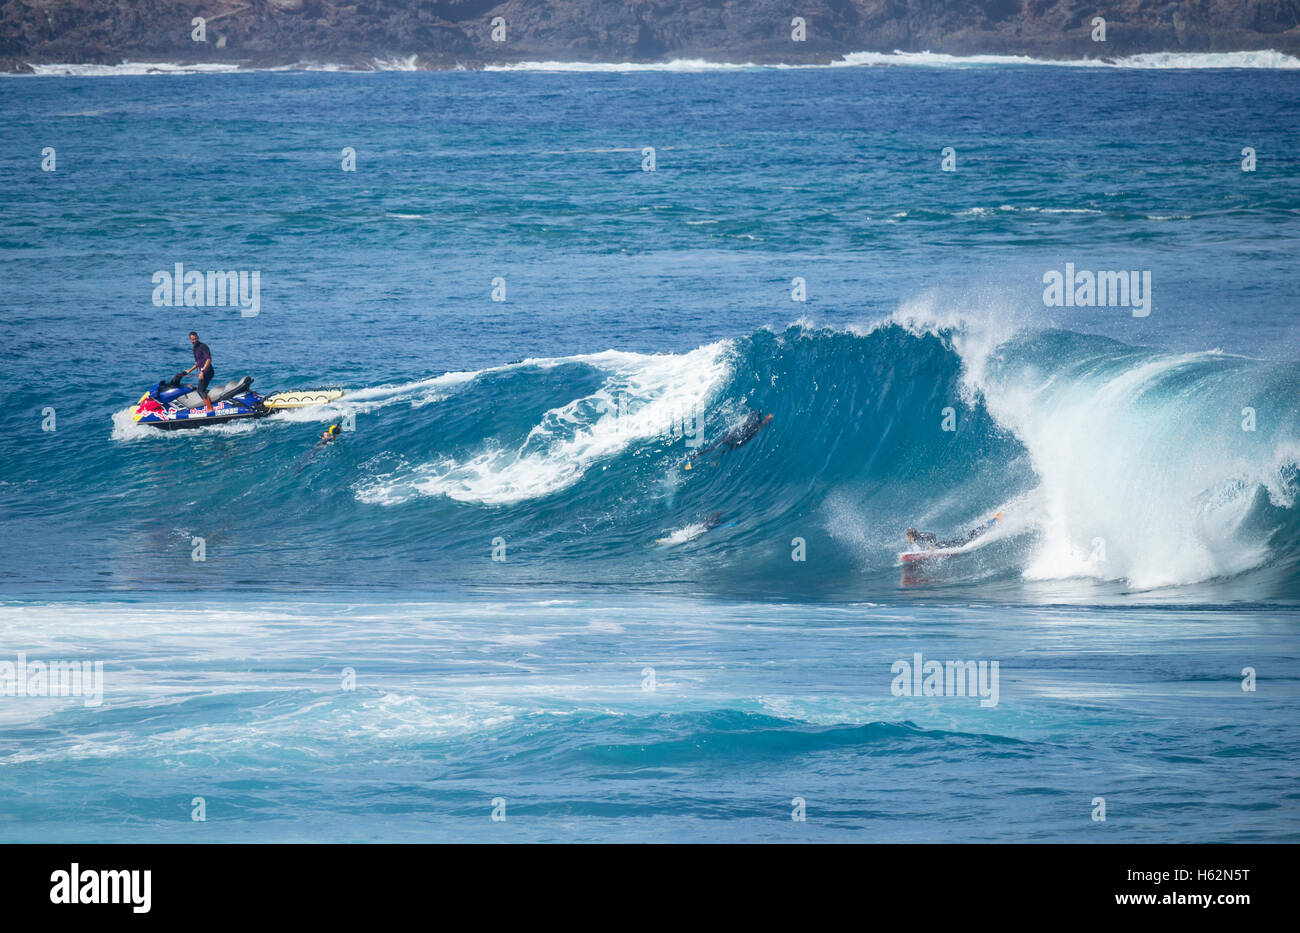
pixel 169 404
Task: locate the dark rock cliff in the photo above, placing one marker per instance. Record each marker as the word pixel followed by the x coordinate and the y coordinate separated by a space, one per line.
pixel 445 33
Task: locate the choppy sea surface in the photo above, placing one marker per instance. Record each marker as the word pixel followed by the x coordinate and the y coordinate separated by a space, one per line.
pixel 513 588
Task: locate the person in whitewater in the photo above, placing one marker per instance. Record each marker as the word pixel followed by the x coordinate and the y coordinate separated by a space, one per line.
pixel 203 363
pixel 931 542
pixel 329 435
pixel 737 437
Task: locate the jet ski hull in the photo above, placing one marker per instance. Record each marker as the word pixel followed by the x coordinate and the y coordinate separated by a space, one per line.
pixel 240 408
pixel 222 413
pixel 170 406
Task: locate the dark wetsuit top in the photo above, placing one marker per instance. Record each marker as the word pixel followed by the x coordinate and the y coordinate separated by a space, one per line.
pixel 744 432
pixel 737 437
pixel 202 355
pixel 927 540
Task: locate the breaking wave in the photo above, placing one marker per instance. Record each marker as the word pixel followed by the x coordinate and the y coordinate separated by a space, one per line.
pixel 1110 463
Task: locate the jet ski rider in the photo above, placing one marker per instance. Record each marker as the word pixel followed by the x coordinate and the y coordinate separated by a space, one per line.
pixel 203 363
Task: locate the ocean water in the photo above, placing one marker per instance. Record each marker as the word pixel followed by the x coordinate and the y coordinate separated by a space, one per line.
pixel 508 589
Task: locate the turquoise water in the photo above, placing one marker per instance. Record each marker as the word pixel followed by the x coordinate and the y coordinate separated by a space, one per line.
pixel 546 703
pixel 1146 554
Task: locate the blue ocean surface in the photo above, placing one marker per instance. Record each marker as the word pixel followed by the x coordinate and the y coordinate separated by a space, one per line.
pixel 520 598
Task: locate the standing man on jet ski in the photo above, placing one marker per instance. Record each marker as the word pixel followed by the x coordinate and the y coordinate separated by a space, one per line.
pixel 203 363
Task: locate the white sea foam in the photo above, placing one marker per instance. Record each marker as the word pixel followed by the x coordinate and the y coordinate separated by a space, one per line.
pixel 1266 58
pixel 125 428
pixel 678 64
pixel 362 401
pixel 396 63
pixel 133 68
pixel 126 69
pixel 643 396
pixel 685 533
pixel 1260 59
pixel 1153 60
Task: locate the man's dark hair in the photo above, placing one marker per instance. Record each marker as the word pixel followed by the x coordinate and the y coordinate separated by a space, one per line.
pixel 194 333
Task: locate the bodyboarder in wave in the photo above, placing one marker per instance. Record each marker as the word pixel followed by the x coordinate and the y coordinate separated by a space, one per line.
pixel 737 437
pixel 919 540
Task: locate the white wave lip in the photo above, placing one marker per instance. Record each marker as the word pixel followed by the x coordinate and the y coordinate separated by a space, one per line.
pixel 644 396
pixel 1136 484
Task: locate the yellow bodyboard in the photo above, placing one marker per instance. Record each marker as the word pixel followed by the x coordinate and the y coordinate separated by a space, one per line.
pixel 301 398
